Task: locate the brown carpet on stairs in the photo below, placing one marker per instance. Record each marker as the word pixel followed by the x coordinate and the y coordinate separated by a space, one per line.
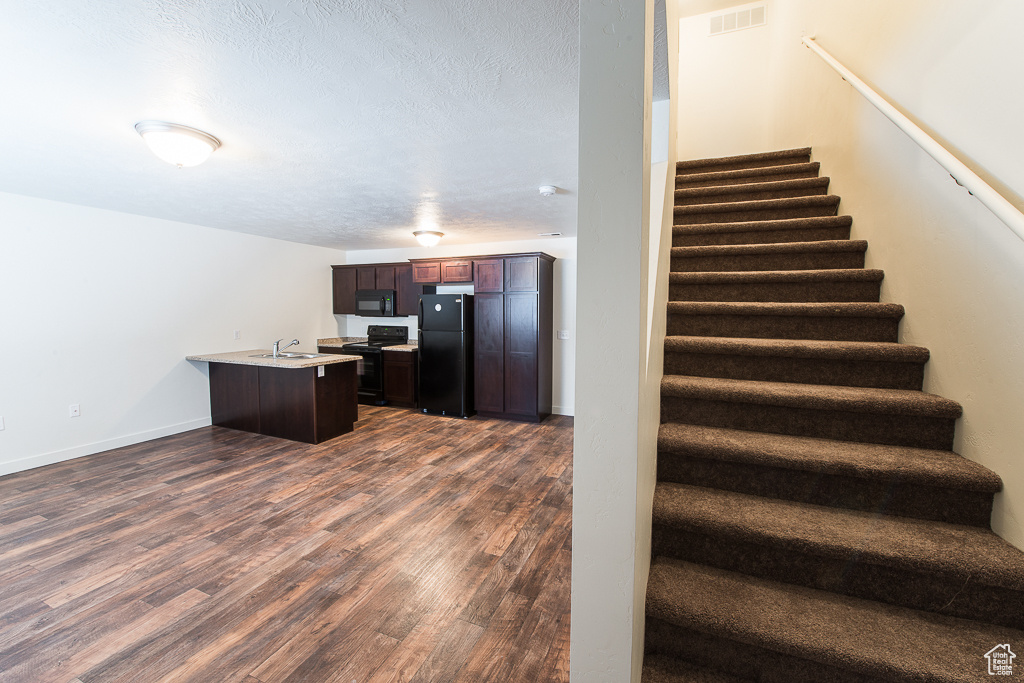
pixel 811 522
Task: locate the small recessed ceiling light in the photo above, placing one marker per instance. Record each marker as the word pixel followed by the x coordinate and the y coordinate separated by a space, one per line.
pixel 549 234
pixel 428 238
pixel 548 190
pixel 177 144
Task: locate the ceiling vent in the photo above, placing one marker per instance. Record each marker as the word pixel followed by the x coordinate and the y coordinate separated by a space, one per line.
pixel 737 21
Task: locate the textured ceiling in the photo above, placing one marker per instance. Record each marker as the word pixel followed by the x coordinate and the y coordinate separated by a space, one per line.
pixel 345 123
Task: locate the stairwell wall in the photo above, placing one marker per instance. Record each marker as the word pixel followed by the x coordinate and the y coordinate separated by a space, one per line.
pixel 953 68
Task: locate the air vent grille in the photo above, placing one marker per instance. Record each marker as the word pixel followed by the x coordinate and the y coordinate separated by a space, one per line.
pixel 748 17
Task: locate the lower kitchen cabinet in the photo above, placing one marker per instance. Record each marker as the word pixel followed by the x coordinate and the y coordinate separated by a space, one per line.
pixel 289 403
pixel 400 378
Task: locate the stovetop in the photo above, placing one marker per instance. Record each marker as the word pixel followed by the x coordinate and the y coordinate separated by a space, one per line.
pixel 380 336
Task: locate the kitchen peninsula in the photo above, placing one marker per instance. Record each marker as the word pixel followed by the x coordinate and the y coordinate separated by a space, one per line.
pixel 310 399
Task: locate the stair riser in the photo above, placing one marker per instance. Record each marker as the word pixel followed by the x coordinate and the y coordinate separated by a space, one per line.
pixel 880 375
pixel 886 495
pixel 755 215
pixel 755 262
pixel 845 575
pixel 740 659
pixel 780 292
pixel 685 182
pixel 761 237
pixel 742 164
pixel 784 327
pixel 897 430
pixel 683 200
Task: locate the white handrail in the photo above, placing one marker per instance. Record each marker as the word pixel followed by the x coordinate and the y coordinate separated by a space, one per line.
pixel 996 203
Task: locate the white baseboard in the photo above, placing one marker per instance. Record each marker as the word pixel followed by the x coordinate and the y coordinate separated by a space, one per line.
pixel 34 461
pixel 562 410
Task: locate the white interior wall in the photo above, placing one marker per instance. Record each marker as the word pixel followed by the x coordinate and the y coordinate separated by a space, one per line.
pixel 101 309
pixel 616 47
pixel 952 68
pixel 725 85
pixel 564 296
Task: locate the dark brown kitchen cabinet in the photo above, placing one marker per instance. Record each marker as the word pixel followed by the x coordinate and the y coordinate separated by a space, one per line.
pixel 513 337
pixel 300 404
pixel 407 292
pixel 442 271
pixel 488 275
pixel 345 286
pixel 384 276
pixel 400 378
pixel 366 277
pixel 426 272
pixel 393 276
pixel 489 352
pixel 456 272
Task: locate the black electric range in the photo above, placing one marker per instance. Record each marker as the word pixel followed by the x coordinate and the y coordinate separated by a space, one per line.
pixel 371 364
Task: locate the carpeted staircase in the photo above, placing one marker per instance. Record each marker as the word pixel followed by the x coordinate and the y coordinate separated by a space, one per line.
pixel 810 520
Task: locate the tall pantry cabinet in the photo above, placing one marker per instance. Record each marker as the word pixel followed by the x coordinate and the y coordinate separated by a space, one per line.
pixel 513 335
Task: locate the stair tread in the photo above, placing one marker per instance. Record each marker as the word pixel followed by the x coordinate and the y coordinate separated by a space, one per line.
pixel 799 348
pixel 743 188
pixel 754 276
pixel 761 204
pixel 812 396
pixel 872 638
pixel 662 669
pixel 920 466
pixel 755 226
pixel 822 246
pixel 810 166
pixel 757 156
pixel 954 550
pixel 854 309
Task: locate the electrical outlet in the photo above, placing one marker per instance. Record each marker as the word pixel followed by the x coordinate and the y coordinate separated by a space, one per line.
pixel 74 410
pixel 1 423
pixel 563 334
pixel 238 334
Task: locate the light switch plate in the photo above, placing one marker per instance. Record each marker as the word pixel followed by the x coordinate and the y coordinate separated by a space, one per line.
pixel 563 334
pixel 320 371
pixel 2 423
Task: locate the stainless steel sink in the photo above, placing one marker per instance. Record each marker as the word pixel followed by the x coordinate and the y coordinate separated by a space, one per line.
pixel 289 356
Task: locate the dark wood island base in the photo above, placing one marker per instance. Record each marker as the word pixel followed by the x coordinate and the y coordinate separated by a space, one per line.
pixel 309 400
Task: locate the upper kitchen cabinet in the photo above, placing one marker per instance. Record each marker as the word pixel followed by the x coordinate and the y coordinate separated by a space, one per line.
pixel 393 276
pixel 442 271
pixel 488 275
pixel 345 286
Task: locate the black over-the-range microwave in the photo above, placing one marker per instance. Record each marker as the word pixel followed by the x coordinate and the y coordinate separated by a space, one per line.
pixel 378 303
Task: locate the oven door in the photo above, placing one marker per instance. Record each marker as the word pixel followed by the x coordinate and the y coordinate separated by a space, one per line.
pixel 376 303
pixel 369 371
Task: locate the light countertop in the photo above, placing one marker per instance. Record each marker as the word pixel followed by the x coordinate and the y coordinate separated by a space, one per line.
pixel 245 358
pixel 333 342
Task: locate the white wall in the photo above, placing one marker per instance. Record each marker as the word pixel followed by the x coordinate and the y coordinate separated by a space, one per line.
pixel 616 45
pixel 725 87
pixel 956 69
pixel 101 308
pixel 564 313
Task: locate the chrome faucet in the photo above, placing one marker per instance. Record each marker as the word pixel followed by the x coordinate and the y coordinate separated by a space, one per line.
pixel 278 350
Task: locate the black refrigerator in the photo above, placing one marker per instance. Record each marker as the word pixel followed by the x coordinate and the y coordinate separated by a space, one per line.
pixel 446 354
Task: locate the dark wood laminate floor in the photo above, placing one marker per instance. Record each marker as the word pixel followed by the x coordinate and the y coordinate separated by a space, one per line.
pixel 414 549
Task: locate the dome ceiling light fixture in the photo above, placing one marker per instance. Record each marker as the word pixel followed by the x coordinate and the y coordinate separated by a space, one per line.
pixel 428 238
pixel 177 144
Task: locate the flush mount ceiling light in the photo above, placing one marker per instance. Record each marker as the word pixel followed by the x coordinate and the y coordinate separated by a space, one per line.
pixel 177 144
pixel 428 238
